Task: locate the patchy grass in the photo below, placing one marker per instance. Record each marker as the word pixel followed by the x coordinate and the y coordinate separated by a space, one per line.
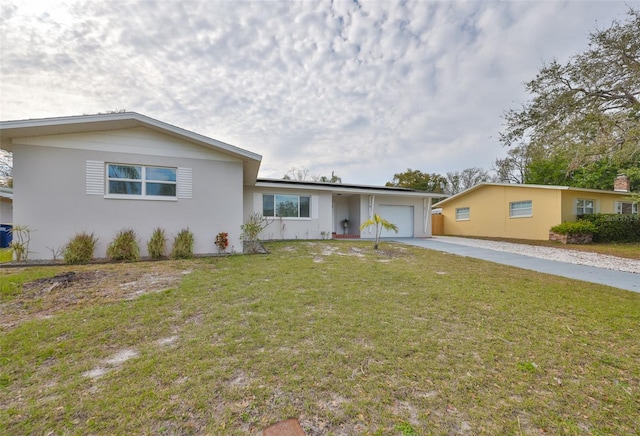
pixel 628 250
pixel 346 339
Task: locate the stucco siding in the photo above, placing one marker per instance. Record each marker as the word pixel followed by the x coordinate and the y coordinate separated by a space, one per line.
pixel 50 186
pixel 421 212
pixel 489 213
pixel 292 228
pixel 489 210
pixel 138 140
pixel 6 211
pixel 603 202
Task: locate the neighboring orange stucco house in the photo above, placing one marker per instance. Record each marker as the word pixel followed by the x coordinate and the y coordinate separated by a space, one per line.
pixel 503 210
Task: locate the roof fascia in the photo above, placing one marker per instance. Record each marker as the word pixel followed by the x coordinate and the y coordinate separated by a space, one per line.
pixel 123 120
pixel 86 123
pixel 337 189
pixel 522 185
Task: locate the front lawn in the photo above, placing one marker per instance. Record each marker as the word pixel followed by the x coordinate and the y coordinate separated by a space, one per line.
pixel 346 339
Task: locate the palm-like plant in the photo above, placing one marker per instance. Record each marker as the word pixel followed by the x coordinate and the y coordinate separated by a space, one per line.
pixel 379 223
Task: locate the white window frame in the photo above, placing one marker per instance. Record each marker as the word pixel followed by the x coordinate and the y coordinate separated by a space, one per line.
pixel 634 207
pixel 463 213
pixel 143 181
pixel 515 211
pixel 275 212
pixel 581 209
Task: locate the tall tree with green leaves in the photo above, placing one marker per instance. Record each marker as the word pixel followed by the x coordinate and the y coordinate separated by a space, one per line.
pixel 584 116
pixel 379 223
pixel 416 179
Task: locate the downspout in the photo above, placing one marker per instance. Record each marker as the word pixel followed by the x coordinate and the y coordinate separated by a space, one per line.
pixel 372 203
pixel 427 217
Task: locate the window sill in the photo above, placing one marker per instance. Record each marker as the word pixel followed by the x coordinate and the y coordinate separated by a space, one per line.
pixel 139 197
pixel 523 216
pixel 288 218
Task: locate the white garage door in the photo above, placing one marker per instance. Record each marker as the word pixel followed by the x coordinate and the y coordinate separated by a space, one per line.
pixel 401 216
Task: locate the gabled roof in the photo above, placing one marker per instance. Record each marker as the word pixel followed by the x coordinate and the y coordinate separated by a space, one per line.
pixel 10 130
pixel 516 186
pixel 341 188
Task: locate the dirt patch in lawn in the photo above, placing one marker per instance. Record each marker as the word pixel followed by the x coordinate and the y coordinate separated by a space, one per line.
pixel 83 286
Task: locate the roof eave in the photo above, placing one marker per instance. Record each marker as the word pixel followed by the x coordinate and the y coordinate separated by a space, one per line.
pixel 338 188
pixel 99 122
pixel 10 130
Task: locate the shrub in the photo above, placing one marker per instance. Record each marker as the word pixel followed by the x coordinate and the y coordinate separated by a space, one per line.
pixel 574 228
pixel 250 231
pixel 157 244
pixel 182 245
pixel 20 243
pixel 80 248
pixel 124 246
pixel 615 227
pixel 222 241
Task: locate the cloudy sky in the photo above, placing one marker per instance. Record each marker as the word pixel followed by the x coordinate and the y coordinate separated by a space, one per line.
pixel 365 89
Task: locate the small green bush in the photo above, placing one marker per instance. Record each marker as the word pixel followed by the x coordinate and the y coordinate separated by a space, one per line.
pixel 613 227
pixel 157 244
pixel 80 248
pixel 574 228
pixel 183 245
pixel 124 246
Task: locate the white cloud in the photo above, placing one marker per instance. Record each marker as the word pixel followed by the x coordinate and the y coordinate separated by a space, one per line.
pixel 367 89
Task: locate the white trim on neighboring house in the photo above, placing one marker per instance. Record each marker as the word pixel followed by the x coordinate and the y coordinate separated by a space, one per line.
pixel 519 185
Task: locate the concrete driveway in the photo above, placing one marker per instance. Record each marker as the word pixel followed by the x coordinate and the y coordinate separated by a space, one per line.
pixel 603 276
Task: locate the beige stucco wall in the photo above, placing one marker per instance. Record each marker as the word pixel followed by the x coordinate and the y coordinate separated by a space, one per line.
pixel 489 213
pixel 605 202
pixel 489 210
pixel 50 192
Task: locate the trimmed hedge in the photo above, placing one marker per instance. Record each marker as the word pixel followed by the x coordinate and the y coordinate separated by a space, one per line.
pixel 614 227
pixel 580 227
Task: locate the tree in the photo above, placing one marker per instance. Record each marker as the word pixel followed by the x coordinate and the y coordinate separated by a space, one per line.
pixel 379 224
pixel 296 174
pixel 332 179
pixel 583 115
pixel 305 174
pixel 512 169
pixel 458 181
pixel 416 179
pixel 6 168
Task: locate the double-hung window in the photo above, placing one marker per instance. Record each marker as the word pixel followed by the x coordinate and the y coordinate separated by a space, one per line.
pixel 286 206
pixel 626 208
pixel 463 213
pixel 141 181
pixel 585 207
pixel 521 209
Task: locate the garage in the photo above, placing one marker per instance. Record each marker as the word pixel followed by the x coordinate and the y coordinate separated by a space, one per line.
pixel 401 216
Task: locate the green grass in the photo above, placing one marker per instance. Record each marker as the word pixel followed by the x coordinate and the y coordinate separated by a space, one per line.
pixel 348 340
